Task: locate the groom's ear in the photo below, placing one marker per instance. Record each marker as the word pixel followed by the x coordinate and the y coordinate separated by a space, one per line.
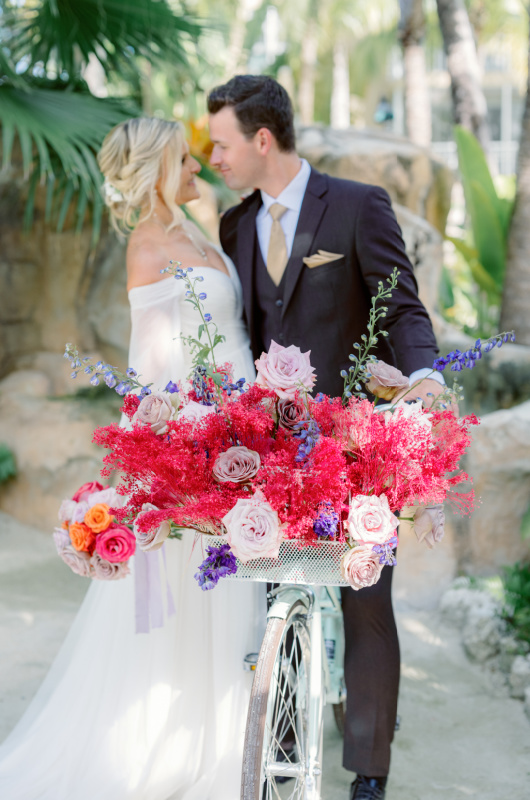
pixel 264 141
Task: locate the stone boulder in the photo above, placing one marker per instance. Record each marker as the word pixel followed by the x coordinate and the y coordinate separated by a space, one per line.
pixel 520 677
pixel 412 175
pixel 51 439
pixel 499 463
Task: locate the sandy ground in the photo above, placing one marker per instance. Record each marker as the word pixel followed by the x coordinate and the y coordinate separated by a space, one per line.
pixel 461 735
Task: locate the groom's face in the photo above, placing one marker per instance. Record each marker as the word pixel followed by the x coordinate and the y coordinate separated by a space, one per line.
pixel 239 159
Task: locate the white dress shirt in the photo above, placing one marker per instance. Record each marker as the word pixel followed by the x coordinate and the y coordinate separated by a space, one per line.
pixel 292 197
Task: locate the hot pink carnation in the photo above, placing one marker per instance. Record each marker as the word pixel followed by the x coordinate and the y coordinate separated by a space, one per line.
pixel 370 520
pixel 286 370
pixel 116 544
pixel 253 529
pixel 360 567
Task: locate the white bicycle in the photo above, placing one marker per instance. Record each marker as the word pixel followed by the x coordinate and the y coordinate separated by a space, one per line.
pixel 299 668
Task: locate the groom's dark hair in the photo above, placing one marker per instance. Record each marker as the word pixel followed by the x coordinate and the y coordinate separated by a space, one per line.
pixel 258 102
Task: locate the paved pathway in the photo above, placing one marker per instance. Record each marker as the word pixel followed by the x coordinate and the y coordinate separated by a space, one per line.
pixel 461 735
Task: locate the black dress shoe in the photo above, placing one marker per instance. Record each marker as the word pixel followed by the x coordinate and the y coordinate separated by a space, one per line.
pixel 364 788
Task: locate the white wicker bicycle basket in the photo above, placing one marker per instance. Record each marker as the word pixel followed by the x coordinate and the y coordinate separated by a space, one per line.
pixel 318 565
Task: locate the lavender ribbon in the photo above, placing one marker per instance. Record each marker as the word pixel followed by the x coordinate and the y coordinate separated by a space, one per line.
pixel 149 611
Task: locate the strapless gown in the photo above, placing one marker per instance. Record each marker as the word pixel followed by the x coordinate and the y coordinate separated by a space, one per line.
pixel 157 716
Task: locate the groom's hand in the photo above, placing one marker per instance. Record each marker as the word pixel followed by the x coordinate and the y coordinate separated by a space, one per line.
pixel 427 391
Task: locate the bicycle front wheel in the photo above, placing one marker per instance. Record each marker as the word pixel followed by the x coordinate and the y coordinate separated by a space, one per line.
pixel 276 750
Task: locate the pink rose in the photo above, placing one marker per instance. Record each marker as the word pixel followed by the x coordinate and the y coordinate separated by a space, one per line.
pixel 107 571
pixel 429 522
pixel 78 561
pixel 286 370
pixel 253 529
pixel 86 489
pixel 156 410
pixel 385 381
pixel 291 412
pixel 360 567
pixel 194 412
pixel 370 520
pixel 237 464
pixel 116 544
pixel 154 538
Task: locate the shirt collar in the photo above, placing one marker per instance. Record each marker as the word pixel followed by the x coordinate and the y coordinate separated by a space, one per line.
pixel 292 196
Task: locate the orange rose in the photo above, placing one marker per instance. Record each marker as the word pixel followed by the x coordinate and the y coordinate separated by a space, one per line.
pixel 98 518
pixel 82 537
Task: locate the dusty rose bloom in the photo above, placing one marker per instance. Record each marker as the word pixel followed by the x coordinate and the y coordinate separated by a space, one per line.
pixel 154 538
pixel 155 410
pixel 194 412
pixel 370 520
pixel 360 567
pixel 253 529
pixel 286 370
pixel 237 464
pixel 66 510
pixel 79 562
pixel 385 381
pixel 429 522
pixel 291 412
pixel 105 571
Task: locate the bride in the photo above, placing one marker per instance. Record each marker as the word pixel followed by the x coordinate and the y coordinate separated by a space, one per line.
pixel 158 715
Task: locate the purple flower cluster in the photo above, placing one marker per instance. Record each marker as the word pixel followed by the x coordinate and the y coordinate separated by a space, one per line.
pixel 386 552
pixel 466 360
pixel 200 387
pixel 233 387
pixel 327 522
pixel 121 383
pixel 308 431
pixel 219 562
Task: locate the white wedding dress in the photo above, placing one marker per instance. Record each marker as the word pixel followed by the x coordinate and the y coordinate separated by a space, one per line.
pixel 156 716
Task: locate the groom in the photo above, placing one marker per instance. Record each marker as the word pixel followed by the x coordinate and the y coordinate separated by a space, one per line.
pixel 310 251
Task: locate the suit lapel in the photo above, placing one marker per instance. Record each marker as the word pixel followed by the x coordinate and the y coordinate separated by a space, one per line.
pixel 311 213
pixel 246 244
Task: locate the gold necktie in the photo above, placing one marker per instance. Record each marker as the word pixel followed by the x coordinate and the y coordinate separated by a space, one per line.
pixel 277 252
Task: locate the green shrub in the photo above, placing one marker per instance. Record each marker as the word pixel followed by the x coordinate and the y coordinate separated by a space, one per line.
pixel 516 611
pixel 8 468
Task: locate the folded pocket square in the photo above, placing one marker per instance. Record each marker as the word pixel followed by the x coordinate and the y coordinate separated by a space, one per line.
pixel 322 257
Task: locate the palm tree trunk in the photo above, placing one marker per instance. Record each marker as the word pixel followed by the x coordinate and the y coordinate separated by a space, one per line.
pixel 306 88
pixel 417 99
pixel 340 93
pixel 236 60
pixel 469 103
pixel 515 312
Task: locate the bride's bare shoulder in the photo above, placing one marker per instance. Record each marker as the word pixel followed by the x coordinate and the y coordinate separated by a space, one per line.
pixel 146 256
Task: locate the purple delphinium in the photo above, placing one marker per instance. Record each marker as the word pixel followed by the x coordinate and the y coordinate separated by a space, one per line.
pixel 386 552
pixel 466 360
pixel 171 387
pixel 327 521
pixel 219 562
pixel 200 387
pixel 228 387
pixel 308 431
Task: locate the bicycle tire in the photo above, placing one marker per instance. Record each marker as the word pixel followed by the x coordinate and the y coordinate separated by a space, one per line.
pixel 261 746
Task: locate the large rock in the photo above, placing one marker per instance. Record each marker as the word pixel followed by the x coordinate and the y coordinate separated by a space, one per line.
pixel 520 677
pixel 51 439
pixel 412 175
pixel 499 463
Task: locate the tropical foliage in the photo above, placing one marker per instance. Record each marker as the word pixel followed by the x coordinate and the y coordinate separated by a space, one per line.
pixel 516 581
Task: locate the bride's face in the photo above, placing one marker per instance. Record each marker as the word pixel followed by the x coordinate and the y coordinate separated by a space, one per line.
pixel 188 188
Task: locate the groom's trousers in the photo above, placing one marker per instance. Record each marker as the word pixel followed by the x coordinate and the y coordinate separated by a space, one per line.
pixel 371 669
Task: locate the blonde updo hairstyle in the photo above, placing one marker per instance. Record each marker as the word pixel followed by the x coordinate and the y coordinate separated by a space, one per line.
pixel 133 156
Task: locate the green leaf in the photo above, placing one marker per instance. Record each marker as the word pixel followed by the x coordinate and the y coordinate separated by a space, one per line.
pixel 525 529
pixel 487 234
pixel 474 167
pixel 8 467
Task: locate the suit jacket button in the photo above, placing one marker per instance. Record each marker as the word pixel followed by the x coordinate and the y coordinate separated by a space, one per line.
pixel 279 303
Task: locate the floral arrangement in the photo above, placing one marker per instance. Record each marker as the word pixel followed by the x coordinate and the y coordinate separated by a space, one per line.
pixel 90 540
pixel 263 463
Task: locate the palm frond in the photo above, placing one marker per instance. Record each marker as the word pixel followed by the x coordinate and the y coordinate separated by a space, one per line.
pixel 59 133
pixel 115 31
